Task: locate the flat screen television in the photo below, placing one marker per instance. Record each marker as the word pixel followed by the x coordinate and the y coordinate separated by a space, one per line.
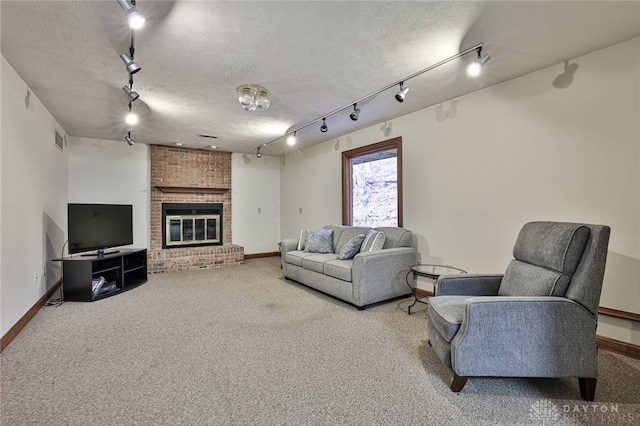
pixel 99 227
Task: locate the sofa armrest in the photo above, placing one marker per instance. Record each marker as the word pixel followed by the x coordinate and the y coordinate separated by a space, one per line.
pixel 468 285
pixel 381 274
pixel 288 245
pixel 525 337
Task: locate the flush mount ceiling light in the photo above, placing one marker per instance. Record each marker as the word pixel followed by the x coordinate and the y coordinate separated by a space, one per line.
pixel 476 66
pixel 252 97
pixel 136 20
pixel 402 93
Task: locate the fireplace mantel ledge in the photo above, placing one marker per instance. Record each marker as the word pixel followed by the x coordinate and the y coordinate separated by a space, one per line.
pixel 192 189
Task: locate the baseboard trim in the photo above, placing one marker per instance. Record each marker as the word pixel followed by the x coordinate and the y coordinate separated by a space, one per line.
pixel 259 255
pixel 22 322
pixel 619 347
pixel 619 314
pixel 420 293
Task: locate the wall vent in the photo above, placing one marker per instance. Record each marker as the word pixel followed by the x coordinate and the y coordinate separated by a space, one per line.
pixel 59 141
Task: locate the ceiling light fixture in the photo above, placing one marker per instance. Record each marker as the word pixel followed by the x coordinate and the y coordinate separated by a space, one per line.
pixel 475 68
pixel 132 95
pixel 252 97
pixel 356 112
pixel 136 20
pixel 129 140
pixel 258 153
pixel 292 139
pixel 132 67
pixel 324 127
pixel 403 91
pixel 131 118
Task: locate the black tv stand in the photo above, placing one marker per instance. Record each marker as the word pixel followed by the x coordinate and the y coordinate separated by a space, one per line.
pixel 126 268
pixel 99 253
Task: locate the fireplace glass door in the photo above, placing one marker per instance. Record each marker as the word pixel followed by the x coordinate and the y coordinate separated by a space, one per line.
pixel 192 229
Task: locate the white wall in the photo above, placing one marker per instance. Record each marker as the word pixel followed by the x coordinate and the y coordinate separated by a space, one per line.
pixel 33 196
pixel 112 172
pixel 515 152
pixel 255 200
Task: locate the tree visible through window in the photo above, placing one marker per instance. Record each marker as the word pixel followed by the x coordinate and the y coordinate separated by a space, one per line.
pixel 372 184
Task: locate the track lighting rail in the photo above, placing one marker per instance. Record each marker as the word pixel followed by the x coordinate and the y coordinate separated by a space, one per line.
pixel 476 48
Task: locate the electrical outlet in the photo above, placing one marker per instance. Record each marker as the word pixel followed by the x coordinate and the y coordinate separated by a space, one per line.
pixel 35 277
pixel 259 209
pixel 44 270
pixel 300 210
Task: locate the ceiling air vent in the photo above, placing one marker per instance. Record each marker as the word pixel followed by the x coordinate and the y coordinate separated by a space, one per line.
pixel 59 141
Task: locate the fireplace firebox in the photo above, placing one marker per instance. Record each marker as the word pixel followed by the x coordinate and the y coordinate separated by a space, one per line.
pixel 191 224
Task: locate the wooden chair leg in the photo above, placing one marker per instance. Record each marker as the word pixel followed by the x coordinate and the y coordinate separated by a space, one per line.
pixel 587 388
pixel 458 382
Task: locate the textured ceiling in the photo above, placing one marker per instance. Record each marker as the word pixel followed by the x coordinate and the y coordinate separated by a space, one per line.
pixel 313 57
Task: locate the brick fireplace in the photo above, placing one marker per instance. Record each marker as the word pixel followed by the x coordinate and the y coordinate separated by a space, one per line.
pixel 190 177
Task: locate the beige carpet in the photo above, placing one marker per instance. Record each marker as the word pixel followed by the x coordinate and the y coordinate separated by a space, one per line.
pixel 242 346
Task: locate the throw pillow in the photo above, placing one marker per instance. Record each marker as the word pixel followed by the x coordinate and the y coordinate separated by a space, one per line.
pixel 319 241
pixel 373 241
pixel 352 247
pixel 301 240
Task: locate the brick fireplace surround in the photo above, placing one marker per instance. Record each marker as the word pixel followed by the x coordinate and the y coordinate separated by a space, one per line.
pixel 180 175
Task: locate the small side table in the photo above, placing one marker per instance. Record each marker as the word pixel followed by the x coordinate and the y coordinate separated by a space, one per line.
pixel 430 271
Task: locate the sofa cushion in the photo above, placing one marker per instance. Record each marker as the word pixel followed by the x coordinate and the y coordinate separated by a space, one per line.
pixel 374 240
pixel 340 269
pixel 295 257
pixel 351 248
pixel 446 314
pixel 552 245
pixel 348 232
pixel 319 241
pixel 524 279
pixel 315 262
pixel 396 237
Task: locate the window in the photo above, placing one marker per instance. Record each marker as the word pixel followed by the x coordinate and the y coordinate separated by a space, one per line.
pixel 372 185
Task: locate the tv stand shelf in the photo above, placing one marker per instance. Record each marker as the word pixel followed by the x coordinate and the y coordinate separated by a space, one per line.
pixel 126 269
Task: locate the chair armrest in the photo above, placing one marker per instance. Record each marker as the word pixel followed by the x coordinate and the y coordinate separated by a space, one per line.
pixel 287 245
pixel 525 337
pixel 468 285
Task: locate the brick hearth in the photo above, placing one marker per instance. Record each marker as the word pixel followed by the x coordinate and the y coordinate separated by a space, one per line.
pixel 186 172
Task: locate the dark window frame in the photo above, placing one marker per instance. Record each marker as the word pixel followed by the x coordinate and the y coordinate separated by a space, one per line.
pixel 347 193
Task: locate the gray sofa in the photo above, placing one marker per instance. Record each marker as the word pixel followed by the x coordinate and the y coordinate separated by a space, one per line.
pixel 370 277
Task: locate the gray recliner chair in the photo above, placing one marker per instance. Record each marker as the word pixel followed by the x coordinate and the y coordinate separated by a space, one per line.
pixel 538 319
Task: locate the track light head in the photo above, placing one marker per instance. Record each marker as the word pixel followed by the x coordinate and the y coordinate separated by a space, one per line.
pixel 130 141
pixel 402 93
pixel 324 127
pixel 136 20
pixel 132 67
pixel 258 153
pixel 291 140
pixel 356 112
pixel 131 118
pixel 132 95
pixel 475 67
